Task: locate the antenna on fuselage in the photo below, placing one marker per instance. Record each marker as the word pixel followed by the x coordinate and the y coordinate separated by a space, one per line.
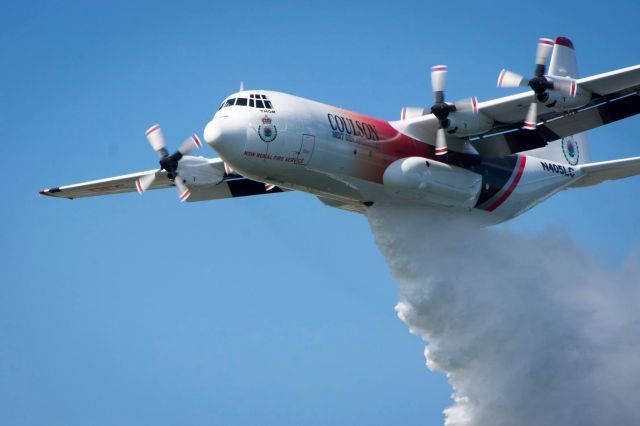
pixel 241 86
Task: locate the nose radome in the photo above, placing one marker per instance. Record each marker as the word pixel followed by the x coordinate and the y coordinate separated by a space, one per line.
pixel 213 132
pixel 227 135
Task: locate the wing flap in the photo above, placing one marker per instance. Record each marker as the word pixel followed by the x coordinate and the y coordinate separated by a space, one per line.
pixel 595 173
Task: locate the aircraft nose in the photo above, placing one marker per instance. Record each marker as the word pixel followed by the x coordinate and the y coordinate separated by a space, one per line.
pixel 226 135
pixel 213 133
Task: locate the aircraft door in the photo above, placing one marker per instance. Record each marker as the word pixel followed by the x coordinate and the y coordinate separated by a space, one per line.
pixel 306 149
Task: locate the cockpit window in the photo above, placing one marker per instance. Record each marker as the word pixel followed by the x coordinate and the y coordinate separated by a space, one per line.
pixel 254 101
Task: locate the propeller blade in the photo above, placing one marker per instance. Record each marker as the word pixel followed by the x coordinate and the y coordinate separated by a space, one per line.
pixel 543 51
pixel 228 169
pixel 531 121
pixel 438 79
pixel 441 142
pixel 183 190
pixel 511 79
pixel 155 138
pixel 469 104
pixel 566 86
pixel 144 182
pixel 190 144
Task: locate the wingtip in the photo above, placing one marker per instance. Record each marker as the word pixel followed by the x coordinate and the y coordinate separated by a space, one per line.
pixel 49 192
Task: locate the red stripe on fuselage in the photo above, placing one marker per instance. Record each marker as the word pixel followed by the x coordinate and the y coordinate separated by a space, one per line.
pixel 512 187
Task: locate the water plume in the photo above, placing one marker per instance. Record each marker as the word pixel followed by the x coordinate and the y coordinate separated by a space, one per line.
pixel 529 330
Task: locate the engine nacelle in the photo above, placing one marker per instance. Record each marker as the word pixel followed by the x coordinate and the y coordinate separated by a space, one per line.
pixel 432 182
pixel 468 123
pixel 413 112
pixel 197 171
pixel 560 102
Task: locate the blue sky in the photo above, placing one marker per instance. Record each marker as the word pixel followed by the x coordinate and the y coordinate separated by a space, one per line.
pixel 275 310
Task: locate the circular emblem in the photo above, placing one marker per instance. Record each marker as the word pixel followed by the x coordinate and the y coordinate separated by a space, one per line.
pixel 570 150
pixel 267 131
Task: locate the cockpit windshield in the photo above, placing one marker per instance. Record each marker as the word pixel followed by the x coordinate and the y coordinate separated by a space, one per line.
pixel 254 101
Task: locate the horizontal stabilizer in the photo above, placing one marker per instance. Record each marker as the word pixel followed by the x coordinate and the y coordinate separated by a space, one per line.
pixel 595 173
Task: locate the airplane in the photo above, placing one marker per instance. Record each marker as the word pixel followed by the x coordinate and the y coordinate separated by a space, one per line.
pixel 489 160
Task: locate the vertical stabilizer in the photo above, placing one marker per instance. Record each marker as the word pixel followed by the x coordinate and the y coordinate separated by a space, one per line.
pixel 574 149
pixel 563 59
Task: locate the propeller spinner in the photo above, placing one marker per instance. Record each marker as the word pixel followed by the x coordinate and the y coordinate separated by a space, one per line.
pixel 168 162
pixel 539 83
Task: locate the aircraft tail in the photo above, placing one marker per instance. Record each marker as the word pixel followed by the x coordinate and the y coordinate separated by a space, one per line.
pixel 573 149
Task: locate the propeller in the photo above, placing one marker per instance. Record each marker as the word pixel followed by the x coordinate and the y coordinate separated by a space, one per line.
pixel 228 169
pixel 168 162
pixel 539 83
pixel 441 109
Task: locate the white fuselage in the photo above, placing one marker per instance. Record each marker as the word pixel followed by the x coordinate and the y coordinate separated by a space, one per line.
pixel 342 156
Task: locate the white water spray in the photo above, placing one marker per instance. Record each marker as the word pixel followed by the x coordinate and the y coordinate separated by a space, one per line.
pixel 530 331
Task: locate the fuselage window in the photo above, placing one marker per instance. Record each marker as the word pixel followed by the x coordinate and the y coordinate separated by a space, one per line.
pixel 251 103
pixel 259 103
pixel 268 104
pixel 252 96
pixel 241 102
pixel 230 102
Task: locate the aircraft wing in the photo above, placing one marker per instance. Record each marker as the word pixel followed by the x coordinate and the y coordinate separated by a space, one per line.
pixel 595 173
pixel 232 185
pixel 609 85
pixel 615 96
